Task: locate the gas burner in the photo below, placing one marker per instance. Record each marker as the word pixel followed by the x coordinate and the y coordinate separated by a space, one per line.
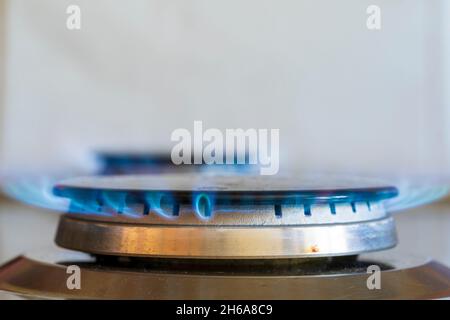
pixel 115 163
pixel 126 163
pixel 224 217
pixel 220 237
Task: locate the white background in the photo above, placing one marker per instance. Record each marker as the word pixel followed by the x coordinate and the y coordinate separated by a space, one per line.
pixel 345 98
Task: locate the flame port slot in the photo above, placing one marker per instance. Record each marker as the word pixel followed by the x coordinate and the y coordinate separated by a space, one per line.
pixel 203 206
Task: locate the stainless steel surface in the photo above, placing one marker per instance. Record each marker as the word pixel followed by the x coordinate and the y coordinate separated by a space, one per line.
pixel 46 278
pixel 243 215
pixel 112 238
pixel 223 183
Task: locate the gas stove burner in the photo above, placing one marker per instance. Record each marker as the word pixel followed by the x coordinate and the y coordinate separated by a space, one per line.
pixel 116 163
pixel 224 217
pixel 222 237
pixel 44 275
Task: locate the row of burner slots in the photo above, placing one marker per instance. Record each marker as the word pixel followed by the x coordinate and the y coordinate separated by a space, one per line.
pixel 203 204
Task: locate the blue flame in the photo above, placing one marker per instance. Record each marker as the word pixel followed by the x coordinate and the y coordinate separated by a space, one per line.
pixel 203 205
pixel 411 196
pixel 117 202
pixel 163 204
pixel 35 190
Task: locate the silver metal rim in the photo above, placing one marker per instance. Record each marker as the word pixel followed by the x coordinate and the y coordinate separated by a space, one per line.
pixel 230 242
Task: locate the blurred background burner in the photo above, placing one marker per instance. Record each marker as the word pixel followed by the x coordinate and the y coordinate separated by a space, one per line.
pixel 114 163
pixel 133 162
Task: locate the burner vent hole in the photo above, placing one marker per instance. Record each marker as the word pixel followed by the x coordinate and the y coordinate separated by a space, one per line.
pixel 333 208
pixel 146 210
pixel 176 210
pixel 353 204
pixel 307 209
pixel 167 203
pixel 100 202
pixel 278 212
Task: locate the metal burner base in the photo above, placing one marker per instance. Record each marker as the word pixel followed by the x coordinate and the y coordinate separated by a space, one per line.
pixel 224 242
pixel 47 278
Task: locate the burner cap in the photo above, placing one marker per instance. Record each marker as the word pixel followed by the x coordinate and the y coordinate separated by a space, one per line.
pixel 229 189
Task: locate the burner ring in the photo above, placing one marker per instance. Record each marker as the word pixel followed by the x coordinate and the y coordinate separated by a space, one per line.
pixel 225 217
pixel 176 197
pixel 243 242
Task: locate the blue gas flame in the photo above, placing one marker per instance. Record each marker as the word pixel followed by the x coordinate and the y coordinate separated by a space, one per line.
pixel 37 190
pixel 203 205
pixel 163 204
pixel 411 196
